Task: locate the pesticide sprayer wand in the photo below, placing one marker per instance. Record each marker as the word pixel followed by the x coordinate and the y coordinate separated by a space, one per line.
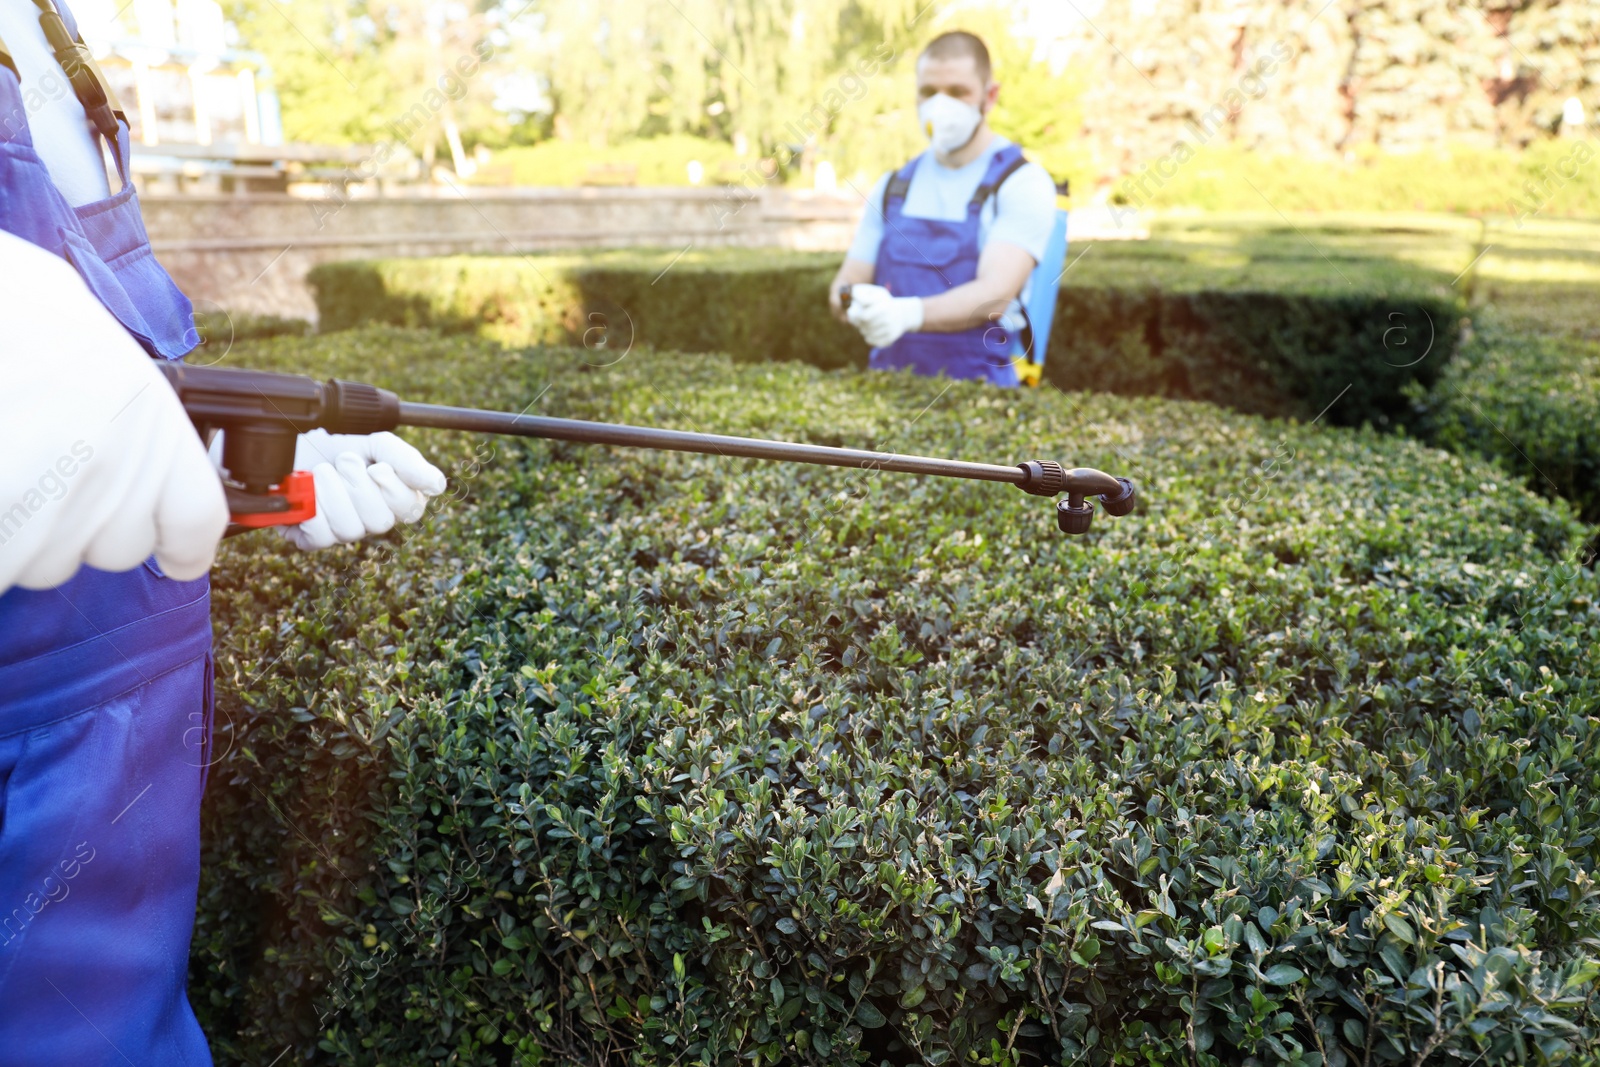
pixel 262 412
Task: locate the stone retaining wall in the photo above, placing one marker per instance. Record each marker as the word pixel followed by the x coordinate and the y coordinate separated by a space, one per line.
pixel 251 253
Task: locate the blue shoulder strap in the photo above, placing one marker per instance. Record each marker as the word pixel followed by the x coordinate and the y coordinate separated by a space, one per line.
pixel 1006 162
pixel 899 183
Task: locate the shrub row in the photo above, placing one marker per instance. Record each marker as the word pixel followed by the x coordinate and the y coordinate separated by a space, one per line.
pixel 648 758
pixel 1284 334
pixel 650 161
pixel 1552 177
pixel 1531 402
pixel 609 302
pixel 216 331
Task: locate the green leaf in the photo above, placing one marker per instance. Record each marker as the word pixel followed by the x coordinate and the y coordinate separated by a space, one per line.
pixel 1253 938
pixel 1283 974
pixel 1400 928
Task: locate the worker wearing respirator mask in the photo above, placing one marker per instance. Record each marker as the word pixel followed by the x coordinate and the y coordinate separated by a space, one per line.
pixel 948 242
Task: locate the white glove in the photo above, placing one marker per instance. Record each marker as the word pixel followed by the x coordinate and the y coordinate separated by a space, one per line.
pixel 365 483
pixel 881 318
pixel 101 464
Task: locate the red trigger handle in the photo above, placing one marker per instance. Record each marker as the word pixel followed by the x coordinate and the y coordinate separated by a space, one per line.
pixel 289 503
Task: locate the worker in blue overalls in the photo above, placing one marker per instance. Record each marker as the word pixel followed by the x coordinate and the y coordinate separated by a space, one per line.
pixel 950 241
pixel 110 515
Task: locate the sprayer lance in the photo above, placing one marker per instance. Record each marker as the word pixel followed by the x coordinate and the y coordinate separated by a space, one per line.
pixel 262 412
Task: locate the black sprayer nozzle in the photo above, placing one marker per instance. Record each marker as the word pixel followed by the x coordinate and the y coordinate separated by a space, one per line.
pixel 1122 504
pixel 1074 517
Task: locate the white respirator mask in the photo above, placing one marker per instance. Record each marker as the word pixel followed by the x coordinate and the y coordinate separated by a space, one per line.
pixel 948 123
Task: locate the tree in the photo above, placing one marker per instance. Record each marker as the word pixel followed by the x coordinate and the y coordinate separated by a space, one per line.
pixel 425 64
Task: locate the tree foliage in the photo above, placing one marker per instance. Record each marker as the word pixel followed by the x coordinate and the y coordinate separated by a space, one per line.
pixel 385 70
pixel 834 75
pixel 786 84
pixel 795 80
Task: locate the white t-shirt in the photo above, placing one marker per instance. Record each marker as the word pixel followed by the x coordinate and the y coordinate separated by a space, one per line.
pixel 1022 212
pixel 62 133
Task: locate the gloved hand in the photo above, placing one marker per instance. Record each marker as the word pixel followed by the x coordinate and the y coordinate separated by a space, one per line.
pixel 881 318
pixel 365 483
pixel 101 464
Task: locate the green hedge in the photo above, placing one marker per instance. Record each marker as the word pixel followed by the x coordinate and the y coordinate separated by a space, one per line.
pixel 1541 276
pixel 609 302
pixel 654 161
pixel 219 330
pixel 1267 328
pixel 1265 353
pixel 649 758
pixel 1551 177
pixel 1442 178
pixel 1531 402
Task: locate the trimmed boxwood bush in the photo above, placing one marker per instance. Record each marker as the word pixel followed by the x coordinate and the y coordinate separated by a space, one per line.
pixel 1265 353
pixel 630 757
pixel 1264 327
pixel 727 300
pixel 1533 403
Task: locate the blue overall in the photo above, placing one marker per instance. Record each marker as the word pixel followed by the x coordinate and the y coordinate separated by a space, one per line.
pixel 105 718
pixel 927 257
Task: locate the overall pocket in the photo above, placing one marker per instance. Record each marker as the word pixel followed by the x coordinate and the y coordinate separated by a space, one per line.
pixel 926 257
pixel 138 292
